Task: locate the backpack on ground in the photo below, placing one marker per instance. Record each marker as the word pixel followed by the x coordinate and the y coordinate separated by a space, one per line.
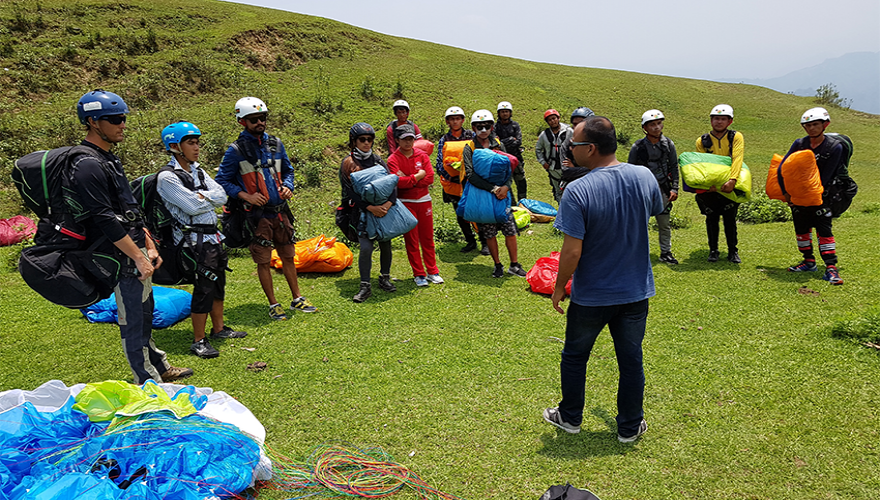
pixel 843 188
pixel 567 492
pixel 59 266
pixel 179 262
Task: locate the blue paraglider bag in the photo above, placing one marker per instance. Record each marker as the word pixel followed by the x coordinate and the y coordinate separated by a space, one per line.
pixel 481 206
pixel 375 186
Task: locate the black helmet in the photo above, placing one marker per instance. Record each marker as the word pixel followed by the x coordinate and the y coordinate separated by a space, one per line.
pixel 359 129
pixel 582 112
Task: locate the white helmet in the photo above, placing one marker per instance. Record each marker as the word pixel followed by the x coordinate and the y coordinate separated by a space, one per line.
pixel 455 111
pixel 814 114
pixel 651 115
pixel 722 110
pixel 249 106
pixel 482 115
pixel 400 103
pixel 505 105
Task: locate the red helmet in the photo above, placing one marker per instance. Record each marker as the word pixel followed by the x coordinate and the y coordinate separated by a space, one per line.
pixel 550 112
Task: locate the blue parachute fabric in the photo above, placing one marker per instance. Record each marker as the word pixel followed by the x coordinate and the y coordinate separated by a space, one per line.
pixel 374 185
pixel 61 455
pixel 171 305
pixel 398 221
pixel 538 207
pixel 481 206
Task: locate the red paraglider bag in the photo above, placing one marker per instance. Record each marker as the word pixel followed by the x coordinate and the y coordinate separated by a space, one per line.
pixel 542 276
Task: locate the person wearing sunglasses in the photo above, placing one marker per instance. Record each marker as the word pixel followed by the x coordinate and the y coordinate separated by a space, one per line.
pixel 114 225
pixel 483 125
pixel 549 151
pixel 606 252
pixel 258 178
pixel 361 137
pixel 401 114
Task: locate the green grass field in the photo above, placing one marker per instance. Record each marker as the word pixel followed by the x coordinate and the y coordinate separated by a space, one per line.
pixel 748 394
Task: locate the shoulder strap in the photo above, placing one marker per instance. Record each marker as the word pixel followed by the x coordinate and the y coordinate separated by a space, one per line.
pixel 730 135
pixel 549 134
pixel 706 140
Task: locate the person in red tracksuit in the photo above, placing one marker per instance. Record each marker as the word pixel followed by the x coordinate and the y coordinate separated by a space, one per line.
pixel 413 166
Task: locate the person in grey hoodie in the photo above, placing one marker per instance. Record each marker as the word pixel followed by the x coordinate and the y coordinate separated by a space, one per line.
pixel 549 151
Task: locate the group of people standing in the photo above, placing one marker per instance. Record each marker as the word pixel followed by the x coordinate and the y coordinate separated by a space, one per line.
pixel 604 208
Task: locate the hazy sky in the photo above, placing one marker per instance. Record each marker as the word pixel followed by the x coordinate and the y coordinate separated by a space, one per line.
pixel 709 40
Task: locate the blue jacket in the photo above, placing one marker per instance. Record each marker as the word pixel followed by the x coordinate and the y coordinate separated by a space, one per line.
pixel 230 174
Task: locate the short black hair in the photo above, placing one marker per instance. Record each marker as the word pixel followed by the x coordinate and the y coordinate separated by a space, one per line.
pixel 600 131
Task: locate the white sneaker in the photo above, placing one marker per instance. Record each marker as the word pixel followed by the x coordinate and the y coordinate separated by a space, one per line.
pixel 435 278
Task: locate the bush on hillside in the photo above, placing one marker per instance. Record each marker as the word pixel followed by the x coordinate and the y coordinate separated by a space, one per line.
pixel 761 209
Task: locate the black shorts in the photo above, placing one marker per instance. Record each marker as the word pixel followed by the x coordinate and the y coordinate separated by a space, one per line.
pixel 206 290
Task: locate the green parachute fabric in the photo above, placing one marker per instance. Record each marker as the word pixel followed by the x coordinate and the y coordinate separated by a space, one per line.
pixel 108 400
pixel 704 170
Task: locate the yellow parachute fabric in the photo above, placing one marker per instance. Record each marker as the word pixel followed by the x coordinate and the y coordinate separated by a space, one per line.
pixel 110 399
pixel 704 170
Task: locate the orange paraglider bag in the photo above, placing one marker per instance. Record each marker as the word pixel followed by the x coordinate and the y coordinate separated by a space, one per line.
pixel 318 255
pixel 800 177
pixel 452 153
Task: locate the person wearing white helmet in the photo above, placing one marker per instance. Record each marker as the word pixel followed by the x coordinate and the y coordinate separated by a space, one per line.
pixel 401 113
pixel 483 124
pixel 657 152
pixel 829 151
pixel 450 176
pixel 258 179
pixel 510 134
pixel 724 141
pixel 549 151
pixel 192 198
pixel 113 225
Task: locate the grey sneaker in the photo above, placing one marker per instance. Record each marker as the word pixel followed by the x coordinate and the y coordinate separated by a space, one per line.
pixel 228 333
pixel 203 349
pixel 643 428
pixel 552 416
pixel 421 281
pixel 176 373
pixel 435 279
pixel 516 270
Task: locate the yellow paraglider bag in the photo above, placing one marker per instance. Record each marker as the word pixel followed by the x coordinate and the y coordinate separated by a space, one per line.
pixel 704 170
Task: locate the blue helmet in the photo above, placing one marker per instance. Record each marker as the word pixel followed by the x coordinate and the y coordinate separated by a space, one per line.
pixel 582 112
pixel 176 132
pixel 98 103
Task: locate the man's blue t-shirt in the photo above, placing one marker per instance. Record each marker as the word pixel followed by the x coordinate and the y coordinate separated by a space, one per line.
pixel 609 209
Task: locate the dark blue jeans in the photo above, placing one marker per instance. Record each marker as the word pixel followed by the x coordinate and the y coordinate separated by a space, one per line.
pixel 627 325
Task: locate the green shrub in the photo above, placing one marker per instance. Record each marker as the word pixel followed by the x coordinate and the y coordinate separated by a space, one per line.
pixel 675 222
pixel 861 329
pixel 761 209
pixel 446 228
pixel 312 173
pixel 368 89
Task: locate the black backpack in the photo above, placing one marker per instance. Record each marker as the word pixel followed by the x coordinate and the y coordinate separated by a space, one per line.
pixel 843 188
pixel 60 267
pixel 567 492
pixel 179 262
pixel 706 140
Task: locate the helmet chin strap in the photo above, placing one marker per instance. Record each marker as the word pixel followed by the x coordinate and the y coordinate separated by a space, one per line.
pixel 180 153
pixel 98 131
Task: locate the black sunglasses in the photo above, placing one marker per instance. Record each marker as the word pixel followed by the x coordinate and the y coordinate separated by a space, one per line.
pixel 114 119
pixel 579 143
pixel 365 138
pixel 256 119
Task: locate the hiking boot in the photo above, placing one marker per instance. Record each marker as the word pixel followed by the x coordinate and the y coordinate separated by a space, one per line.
pixel 832 276
pixel 643 428
pixel 364 293
pixel 228 333
pixel 302 304
pixel 175 373
pixel 713 256
pixel 516 270
pixel 806 266
pixel 203 349
pixel 499 271
pixel 484 250
pixel 386 284
pixel 552 416
pixel 734 257
pixel 435 279
pixel 276 312
pixel 470 247
pixel 420 281
pixel 668 258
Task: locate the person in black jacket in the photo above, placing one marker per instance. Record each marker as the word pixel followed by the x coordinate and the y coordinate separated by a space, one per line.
pixel 112 213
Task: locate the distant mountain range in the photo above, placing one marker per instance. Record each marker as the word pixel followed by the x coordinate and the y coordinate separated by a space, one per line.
pixel 856 76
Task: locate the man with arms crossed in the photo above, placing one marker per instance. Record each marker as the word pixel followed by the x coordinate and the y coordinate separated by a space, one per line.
pixel 604 216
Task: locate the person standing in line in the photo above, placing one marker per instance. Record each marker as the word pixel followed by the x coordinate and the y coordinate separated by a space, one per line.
pixel 510 134
pixel 401 113
pixel 604 216
pixel 724 141
pixel 829 159
pixel 549 152
pixel 413 166
pixel 257 171
pixel 657 152
pixel 361 137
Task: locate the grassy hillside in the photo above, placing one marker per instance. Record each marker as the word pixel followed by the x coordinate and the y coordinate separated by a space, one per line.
pixel 748 395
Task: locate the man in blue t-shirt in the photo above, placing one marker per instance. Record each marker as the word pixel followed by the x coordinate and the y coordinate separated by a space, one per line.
pixel 604 216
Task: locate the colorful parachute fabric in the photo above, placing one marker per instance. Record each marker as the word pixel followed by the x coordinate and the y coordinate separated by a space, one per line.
pixel 150 442
pixel 704 170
